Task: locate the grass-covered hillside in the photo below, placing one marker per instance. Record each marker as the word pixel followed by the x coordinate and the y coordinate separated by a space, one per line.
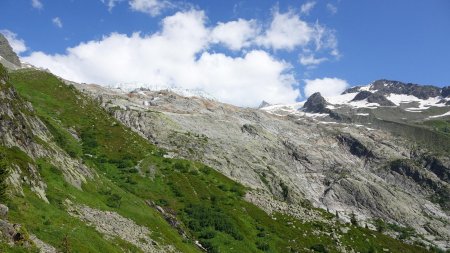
pixel 180 202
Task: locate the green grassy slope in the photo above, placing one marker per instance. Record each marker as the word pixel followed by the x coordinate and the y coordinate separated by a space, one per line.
pixel 209 206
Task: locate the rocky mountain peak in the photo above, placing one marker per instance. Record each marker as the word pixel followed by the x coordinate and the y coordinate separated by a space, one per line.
pixel 376 97
pixel 379 99
pixel 395 87
pixel 7 52
pixel 445 92
pixel 387 87
pixel 362 95
pixel 264 104
pixel 316 104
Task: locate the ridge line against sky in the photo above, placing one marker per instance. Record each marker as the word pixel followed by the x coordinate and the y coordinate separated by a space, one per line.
pixel 240 52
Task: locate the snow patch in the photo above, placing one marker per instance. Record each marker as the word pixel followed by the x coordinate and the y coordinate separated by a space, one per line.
pixel 438 116
pixel 282 110
pixel 424 104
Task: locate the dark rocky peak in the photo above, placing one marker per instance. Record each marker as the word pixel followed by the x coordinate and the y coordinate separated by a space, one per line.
pixel 384 84
pixel 379 99
pixel 7 52
pixel 362 95
pixel 376 97
pixel 352 90
pixel 385 87
pixel 445 92
pixel 316 104
pixel 264 104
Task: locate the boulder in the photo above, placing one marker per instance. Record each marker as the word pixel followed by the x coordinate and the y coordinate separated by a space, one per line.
pixel 3 211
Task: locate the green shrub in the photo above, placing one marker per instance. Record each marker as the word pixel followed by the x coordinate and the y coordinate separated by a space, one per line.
pixel 380 225
pixel 201 216
pixel 89 141
pixel 208 233
pixel 114 201
pixel 353 219
pixel 161 202
pixel 209 246
pixel 181 167
pixel 284 190
pixel 319 248
pixel 263 246
pixel 4 172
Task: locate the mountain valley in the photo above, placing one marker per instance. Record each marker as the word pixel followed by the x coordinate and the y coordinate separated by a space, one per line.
pixel 84 168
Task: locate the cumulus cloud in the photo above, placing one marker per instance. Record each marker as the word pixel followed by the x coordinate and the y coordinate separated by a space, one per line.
pixel 178 56
pixel 326 86
pixel 37 4
pixel 235 34
pixel 286 31
pixel 151 7
pixel 181 54
pixel 307 7
pixel 18 45
pixel 57 22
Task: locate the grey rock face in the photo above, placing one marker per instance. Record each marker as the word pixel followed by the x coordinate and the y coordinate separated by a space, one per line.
pixel 19 127
pixel 7 52
pixel 340 167
pixel 113 225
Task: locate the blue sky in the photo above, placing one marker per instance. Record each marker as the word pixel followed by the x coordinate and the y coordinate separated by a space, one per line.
pixel 348 42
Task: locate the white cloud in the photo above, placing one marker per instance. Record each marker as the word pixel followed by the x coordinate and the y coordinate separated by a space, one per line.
pixel 326 86
pixel 111 3
pixel 235 34
pixel 324 38
pixel 332 8
pixel 57 22
pixel 307 7
pixel 37 4
pixel 151 7
pixel 177 56
pixel 286 31
pixel 311 60
pixel 18 45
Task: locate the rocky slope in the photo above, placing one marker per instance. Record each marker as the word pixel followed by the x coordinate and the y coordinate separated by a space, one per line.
pixel 80 180
pixel 7 55
pixel 141 199
pixel 338 166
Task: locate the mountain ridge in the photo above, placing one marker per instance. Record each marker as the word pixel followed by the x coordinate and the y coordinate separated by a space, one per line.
pixel 101 170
